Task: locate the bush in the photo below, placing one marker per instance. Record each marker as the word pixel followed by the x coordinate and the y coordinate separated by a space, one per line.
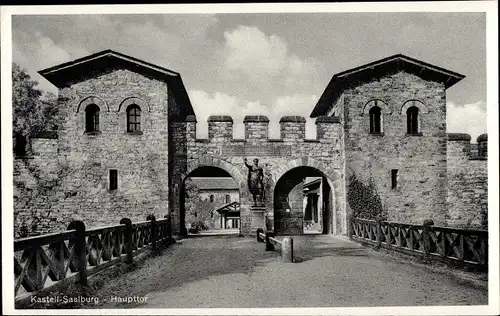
pixel 364 201
pixel 197 226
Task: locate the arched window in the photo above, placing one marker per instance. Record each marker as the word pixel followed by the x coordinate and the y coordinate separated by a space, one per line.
pixel 92 118
pixel 228 198
pixel 375 120
pixel 133 118
pixel 211 198
pixel 412 120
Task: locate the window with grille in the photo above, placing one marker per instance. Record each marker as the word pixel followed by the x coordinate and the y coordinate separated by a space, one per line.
pixel 412 120
pixel 133 118
pixel 113 179
pixel 211 198
pixel 375 120
pixel 228 198
pixel 92 118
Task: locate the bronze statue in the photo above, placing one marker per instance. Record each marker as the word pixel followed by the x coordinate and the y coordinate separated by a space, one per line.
pixel 255 181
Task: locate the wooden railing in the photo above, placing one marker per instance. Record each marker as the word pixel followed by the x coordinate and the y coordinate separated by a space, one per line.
pixel 48 260
pixel 451 245
pixel 286 245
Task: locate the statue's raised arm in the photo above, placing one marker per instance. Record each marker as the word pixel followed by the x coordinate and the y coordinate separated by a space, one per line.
pixel 246 163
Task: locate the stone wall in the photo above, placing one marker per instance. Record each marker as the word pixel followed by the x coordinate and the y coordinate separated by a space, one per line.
pixel 67 178
pixel 467 182
pixel 35 198
pixel 220 196
pixel 276 157
pixel 289 214
pixel 420 159
pixel 213 221
pixel 84 159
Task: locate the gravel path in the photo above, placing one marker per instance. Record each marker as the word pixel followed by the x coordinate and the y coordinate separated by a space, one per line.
pixel 229 271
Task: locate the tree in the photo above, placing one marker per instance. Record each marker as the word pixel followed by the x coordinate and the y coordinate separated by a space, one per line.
pixel 33 111
pixel 195 204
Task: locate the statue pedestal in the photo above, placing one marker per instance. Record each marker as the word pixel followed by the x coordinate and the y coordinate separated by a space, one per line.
pixel 258 218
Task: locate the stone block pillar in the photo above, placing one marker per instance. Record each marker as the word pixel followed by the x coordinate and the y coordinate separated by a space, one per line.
pixel 256 128
pixel 220 127
pixel 328 128
pixel 191 127
pixel 482 142
pixel 458 147
pixel 292 128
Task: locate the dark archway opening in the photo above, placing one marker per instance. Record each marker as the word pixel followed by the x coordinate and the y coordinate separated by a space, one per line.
pixel 303 203
pixel 209 202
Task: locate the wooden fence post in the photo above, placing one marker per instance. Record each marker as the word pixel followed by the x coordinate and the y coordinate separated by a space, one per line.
pixel 169 227
pixel 259 238
pixel 269 244
pixel 154 231
pixel 129 243
pixel 379 233
pixel 287 249
pixel 80 250
pixel 426 237
pixel 483 251
pixel 349 227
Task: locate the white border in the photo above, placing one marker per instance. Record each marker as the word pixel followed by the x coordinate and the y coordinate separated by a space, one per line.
pixel 490 7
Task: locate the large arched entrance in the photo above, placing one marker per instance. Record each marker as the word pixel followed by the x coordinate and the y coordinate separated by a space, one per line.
pixel 209 201
pixel 304 202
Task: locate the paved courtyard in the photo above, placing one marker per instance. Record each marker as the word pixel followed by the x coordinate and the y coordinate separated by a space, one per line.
pixel 228 271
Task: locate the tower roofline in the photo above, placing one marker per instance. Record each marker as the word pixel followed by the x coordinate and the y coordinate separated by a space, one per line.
pixel 391 64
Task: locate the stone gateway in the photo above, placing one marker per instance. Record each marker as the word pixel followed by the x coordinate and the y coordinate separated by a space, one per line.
pixel 127 143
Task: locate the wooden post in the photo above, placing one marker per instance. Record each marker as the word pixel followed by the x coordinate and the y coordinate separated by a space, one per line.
pixel 269 244
pixel 165 229
pixel 169 228
pixel 443 245
pixel 259 238
pixel 129 246
pixel 461 249
pixel 80 250
pixel 379 233
pixel 399 241
pixel 287 249
pixel 350 227
pixel 426 237
pixel 483 251
pixel 411 237
pixel 154 231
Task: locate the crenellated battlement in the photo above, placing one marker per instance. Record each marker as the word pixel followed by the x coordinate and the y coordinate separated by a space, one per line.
pixel 467 176
pixel 220 127
pixel 292 129
pixel 461 148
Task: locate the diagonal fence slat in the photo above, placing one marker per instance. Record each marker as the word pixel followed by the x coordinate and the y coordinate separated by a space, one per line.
pixel 46 260
pixel 461 246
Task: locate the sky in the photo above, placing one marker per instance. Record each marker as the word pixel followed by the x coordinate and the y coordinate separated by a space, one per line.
pixel 272 64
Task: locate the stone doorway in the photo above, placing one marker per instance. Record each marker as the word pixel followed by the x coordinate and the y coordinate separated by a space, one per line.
pixel 208 198
pixel 303 203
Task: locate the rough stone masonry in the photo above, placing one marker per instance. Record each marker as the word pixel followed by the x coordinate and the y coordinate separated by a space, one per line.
pixel 103 175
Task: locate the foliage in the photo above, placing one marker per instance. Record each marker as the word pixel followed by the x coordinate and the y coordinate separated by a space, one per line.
pixel 198 226
pixel 364 200
pixel 33 111
pixel 195 205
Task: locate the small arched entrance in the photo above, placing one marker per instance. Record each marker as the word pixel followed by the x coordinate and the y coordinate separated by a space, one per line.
pixel 304 202
pixel 209 201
